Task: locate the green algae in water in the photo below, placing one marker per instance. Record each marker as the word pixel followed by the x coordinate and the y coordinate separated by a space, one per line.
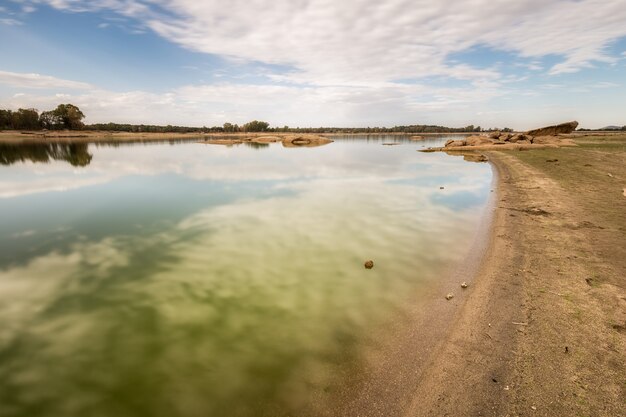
pixel 194 280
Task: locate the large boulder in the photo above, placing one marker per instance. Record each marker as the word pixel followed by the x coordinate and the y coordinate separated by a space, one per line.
pixel 495 135
pixel 519 137
pixel 546 139
pixel 564 128
pixel 453 142
pixel 477 140
pixel 308 141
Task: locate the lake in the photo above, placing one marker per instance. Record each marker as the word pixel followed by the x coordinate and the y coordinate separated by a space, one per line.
pixel 184 279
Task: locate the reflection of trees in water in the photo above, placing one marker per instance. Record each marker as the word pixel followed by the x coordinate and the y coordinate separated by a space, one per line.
pixel 74 153
pixel 257 145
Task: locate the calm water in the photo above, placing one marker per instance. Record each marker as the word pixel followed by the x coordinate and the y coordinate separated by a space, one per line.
pixel 202 280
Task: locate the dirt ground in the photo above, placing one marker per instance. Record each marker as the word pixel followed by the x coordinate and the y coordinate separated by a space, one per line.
pixel 544 332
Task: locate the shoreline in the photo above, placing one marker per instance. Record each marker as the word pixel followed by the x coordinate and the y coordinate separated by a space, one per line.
pixel 15 137
pixel 542 332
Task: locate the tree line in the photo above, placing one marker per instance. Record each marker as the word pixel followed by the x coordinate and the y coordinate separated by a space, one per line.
pixel 69 116
pixel 64 116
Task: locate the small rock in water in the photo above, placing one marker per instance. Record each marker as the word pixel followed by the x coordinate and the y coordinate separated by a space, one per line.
pixel 464 284
pixel 450 296
pixel 441 188
pixel 369 264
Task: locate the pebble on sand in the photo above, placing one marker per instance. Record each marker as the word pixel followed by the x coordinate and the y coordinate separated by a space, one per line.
pixel 450 296
pixel 369 264
pixel 464 284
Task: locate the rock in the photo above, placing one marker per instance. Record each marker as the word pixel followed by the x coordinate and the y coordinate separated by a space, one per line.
pixel 452 142
pixel 495 135
pixel 369 264
pixel 475 158
pixel 265 139
pixel 450 296
pixel 441 188
pixel 391 143
pixel 518 137
pixel 545 139
pixel 552 160
pixel 417 137
pixel 568 127
pixel 504 137
pixel 477 140
pixel 305 141
pixel 227 142
pixel 464 284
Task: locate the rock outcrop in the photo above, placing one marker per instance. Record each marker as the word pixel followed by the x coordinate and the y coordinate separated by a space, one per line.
pixel 288 141
pixel 543 137
pixel 562 128
pixel 308 141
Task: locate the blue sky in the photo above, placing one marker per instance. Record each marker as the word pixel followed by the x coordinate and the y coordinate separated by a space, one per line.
pixel 521 63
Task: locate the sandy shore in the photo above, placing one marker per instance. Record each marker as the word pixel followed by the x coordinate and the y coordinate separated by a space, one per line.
pixel 543 331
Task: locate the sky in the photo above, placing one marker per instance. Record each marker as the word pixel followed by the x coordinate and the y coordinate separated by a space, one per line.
pixel 492 63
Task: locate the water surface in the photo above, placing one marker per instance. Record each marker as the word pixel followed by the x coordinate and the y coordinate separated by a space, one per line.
pixel 181 279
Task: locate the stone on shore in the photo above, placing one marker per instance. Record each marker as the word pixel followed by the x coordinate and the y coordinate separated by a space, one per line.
pixel 369 264
pixel 477 140
pixel 452 142
pixel 562 128
pixel 308 141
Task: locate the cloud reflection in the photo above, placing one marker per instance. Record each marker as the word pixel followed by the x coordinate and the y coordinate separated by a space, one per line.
pixel 245 306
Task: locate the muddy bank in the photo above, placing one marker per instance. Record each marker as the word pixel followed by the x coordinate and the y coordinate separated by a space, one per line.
pixel 543 330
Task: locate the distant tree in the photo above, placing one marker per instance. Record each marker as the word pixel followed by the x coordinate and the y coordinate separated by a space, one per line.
pixel 70 116
pixel 49 120
pixel 228 127
pixel 255 126
pixel 6 117
pixel 25 119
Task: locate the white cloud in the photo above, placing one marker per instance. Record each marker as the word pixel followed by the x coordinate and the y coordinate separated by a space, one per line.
pixel 293 104
pixel 25 80
pixel 604 84
pixel 362 42
pixel 10 22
